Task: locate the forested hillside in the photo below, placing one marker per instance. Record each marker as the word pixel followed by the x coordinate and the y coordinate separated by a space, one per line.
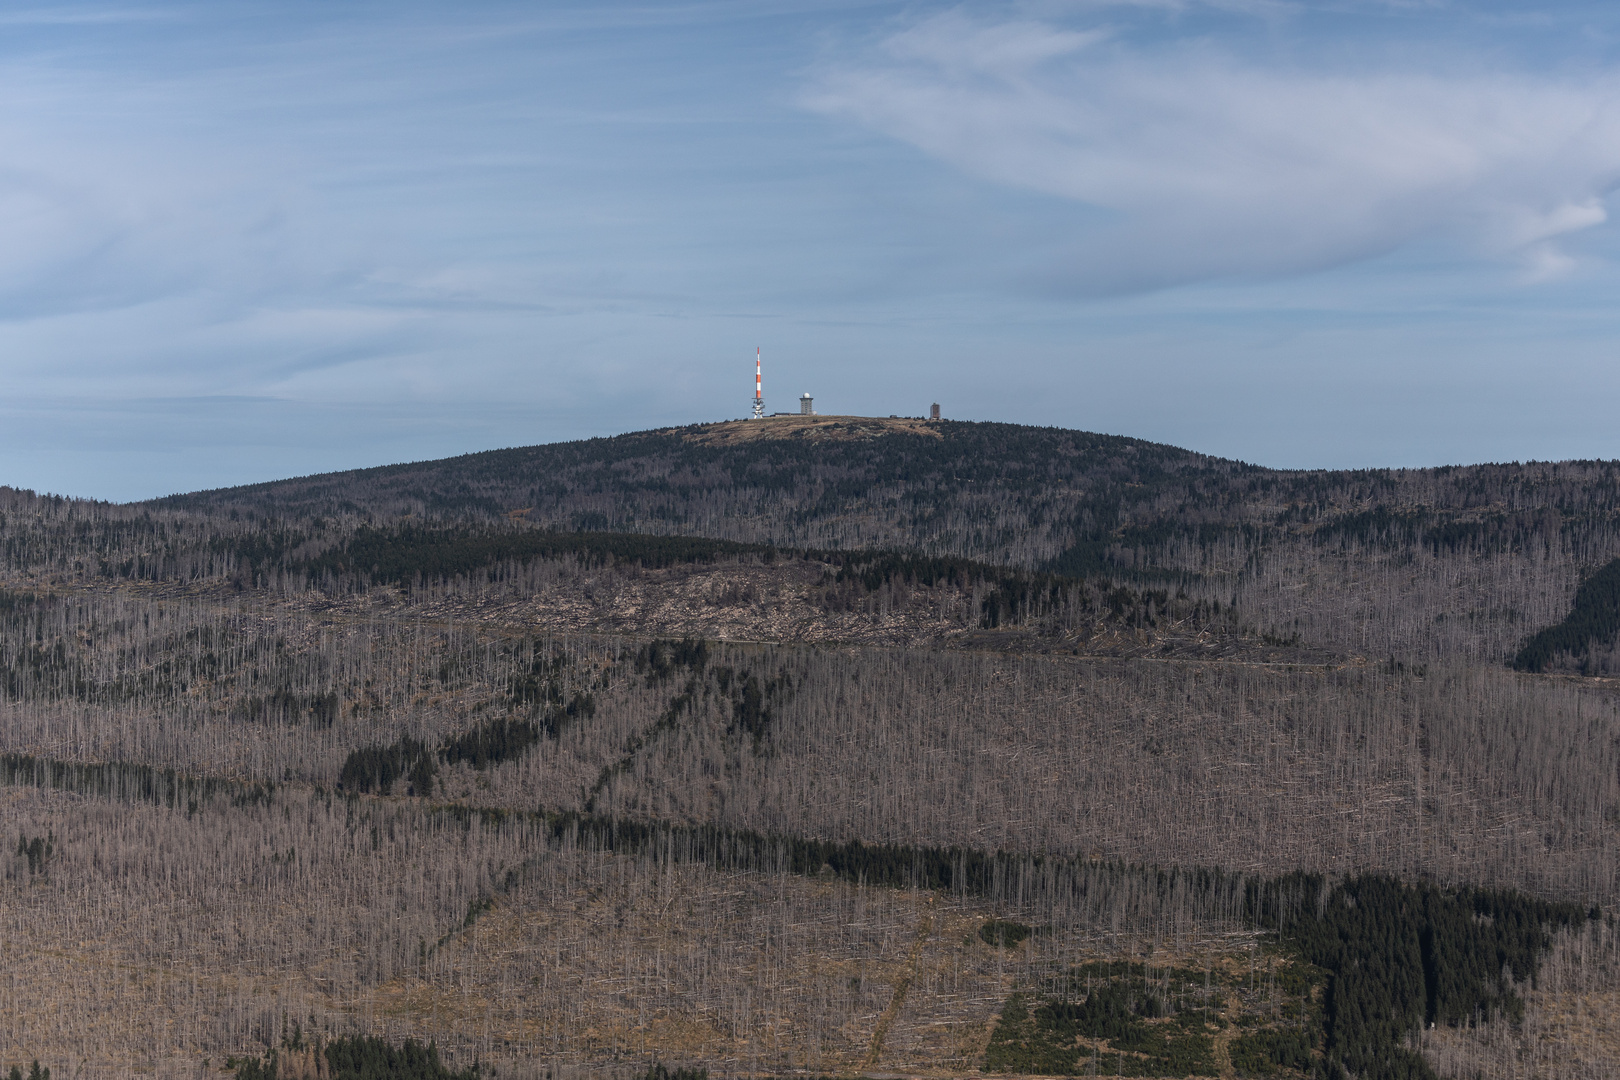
pixel 831 746
pixel 1040 498
pixel 1415 563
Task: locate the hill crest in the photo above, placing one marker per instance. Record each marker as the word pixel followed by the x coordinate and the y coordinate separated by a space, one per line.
pixel 813 428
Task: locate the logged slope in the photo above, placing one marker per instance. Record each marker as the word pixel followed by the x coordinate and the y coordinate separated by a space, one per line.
pixel 270 807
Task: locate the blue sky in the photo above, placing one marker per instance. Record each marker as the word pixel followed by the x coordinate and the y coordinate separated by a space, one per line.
pixel 240 242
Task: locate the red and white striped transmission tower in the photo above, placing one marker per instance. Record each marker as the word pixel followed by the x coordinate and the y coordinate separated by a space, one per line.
pixel 759 389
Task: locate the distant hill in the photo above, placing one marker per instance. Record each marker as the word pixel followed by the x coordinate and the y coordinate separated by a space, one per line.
pixel 997 491
pixel 1416 563
pixel 1035 497
pixel 1461 562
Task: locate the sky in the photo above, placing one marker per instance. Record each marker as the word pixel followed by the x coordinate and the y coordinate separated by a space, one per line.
pixel 240 242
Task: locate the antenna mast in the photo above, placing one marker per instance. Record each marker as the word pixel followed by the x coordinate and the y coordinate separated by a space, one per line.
pixel 759 389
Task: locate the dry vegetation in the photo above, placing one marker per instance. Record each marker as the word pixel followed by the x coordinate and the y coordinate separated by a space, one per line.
pixel 1462 773
pixel 1571 1023
pixel 807 429
pixel 191 933
pixel 158 939
pixel 1246 671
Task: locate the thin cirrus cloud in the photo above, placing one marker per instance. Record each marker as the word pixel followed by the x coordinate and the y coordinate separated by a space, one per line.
pixel 1201 165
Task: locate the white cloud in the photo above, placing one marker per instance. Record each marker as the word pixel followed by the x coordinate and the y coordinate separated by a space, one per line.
pixel 1209 166
pixel 1008 49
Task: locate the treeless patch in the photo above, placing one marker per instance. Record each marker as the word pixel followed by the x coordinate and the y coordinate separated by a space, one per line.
pixel 809 429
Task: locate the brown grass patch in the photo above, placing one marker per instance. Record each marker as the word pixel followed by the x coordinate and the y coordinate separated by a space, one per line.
pixel 814 429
